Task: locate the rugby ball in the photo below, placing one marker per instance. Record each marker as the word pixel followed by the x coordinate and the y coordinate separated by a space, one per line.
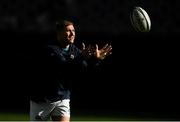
pixel 140 20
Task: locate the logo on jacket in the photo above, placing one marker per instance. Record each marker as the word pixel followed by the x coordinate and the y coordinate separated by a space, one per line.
pixel 72 56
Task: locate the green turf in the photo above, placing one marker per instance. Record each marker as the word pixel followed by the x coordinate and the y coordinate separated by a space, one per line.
pixel 25 117
pixel 13 117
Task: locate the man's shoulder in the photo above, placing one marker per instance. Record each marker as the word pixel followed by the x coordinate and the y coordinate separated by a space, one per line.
pixel 53 48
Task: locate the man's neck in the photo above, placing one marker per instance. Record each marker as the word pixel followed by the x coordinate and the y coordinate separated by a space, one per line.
pixel 66 48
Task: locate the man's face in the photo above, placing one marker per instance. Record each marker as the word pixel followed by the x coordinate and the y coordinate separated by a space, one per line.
pixel 69 34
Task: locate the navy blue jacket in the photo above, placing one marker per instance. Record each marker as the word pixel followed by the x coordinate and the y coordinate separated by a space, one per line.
pixel 60 68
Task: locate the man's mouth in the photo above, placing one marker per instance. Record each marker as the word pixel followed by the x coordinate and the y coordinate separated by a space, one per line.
pixel 71 38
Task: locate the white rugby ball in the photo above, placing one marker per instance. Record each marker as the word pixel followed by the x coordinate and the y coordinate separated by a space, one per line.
pixel 140 20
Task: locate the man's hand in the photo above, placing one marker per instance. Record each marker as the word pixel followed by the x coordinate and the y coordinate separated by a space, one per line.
pixel 87 51
pixel 103 52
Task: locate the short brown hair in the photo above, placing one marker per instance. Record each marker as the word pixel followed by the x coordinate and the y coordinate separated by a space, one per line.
pixel 61 24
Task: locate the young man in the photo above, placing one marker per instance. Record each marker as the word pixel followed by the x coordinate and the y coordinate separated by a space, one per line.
pixel 64 59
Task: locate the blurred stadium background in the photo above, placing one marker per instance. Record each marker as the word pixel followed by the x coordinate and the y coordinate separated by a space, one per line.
pixel 138 81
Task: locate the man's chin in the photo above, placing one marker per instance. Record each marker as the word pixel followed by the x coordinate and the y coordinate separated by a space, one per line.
pixel 71 41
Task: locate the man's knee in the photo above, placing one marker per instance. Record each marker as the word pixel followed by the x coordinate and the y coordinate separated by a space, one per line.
pixel 61 118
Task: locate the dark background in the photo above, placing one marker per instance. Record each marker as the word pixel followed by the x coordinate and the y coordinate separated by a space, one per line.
pixel 140 76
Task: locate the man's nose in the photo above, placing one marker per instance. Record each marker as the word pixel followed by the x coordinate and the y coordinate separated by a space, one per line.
pixel 72 33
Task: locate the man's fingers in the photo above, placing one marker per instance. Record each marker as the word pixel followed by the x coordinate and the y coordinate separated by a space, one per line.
pixel 109 48
pixel 109 53
pixel 83 46
pixel 97 47
pixel 105 46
